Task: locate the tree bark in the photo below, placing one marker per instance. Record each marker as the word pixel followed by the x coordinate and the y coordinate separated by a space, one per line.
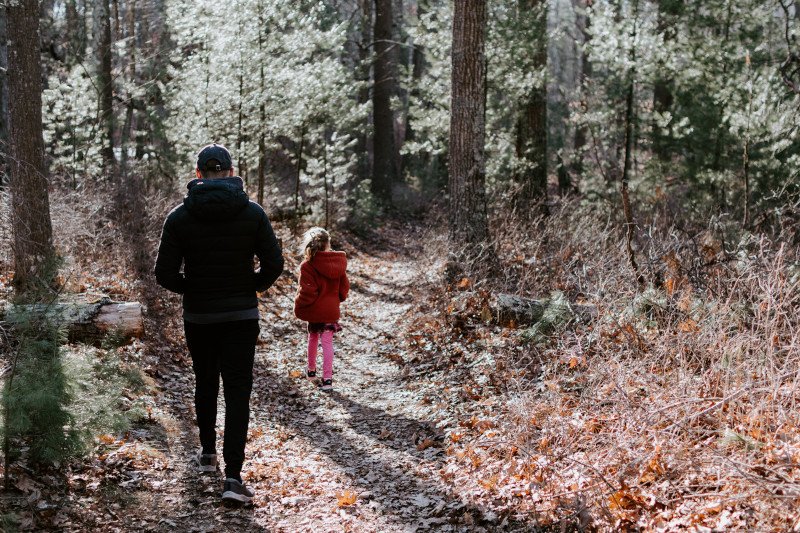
pixel 400 61
pixel 581 132
pixel 719 141
pixel 30 204
pixel 383 172
pixel 128 127
pixel 240 116
pixel 76 32
pixel 3 97
pixel 85 320
pixel 325 179
pixel 364 147
pixel 531 128
pixel 628 161
pixel 115 16
pixel 469 227
pixel 102 33
pixel 262 113
pixel 298 171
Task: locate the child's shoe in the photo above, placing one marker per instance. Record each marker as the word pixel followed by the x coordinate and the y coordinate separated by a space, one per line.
pixel 327 385
pixel 311 373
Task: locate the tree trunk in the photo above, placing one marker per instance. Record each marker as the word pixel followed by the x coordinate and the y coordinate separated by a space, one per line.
pixel 102 33
pixel 3 97
pixel 262 160
pixel 629 120
pixel 325 179
pixel 364 147
pixel 417 164
pixel 531 129
pixel 581 132
pixel 116 34
pixel 383 172
pixel 469 227
pixel 262 112
pixel 298 171
pixel 400 60
pixel 30 205
pixel 76 33
pixel 128 127
pixel 240 115
pixel 746 149
pixel 719 141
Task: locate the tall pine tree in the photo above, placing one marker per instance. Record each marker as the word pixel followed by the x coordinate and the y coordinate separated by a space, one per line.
pixel 30 205
pixel 469 226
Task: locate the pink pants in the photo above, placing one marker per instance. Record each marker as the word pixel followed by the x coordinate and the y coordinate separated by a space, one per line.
pixel 327 352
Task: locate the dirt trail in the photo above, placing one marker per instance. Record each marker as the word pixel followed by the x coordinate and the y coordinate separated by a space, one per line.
pixel 368 457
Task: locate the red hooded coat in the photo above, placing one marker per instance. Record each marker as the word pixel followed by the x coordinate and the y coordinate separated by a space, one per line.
pixel 323 285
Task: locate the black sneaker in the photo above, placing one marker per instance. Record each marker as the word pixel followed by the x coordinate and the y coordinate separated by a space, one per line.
pixel 236 491
pixel 327 385
pixel 311 373
pixel 205 462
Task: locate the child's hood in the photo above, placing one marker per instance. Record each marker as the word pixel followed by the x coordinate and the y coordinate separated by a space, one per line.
pixel 330 264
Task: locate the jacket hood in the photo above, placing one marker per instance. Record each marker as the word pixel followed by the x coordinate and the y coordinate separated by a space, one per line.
pixel 330 264
pixel 216 199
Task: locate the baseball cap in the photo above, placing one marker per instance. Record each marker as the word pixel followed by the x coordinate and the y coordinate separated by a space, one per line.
pixel 214 157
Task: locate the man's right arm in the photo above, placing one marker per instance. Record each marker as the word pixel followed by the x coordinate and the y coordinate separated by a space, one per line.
pixel 169 260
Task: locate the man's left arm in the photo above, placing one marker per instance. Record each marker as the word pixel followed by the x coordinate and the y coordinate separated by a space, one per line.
pixel 269 255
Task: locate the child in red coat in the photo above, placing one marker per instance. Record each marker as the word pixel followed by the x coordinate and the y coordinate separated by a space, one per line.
pixel 323 285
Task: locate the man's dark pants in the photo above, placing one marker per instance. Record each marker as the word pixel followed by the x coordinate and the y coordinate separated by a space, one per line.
pixel 226 349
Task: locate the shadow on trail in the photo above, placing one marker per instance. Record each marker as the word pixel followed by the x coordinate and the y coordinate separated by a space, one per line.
pixel 370 422
pixel 392 487
pixel 199 507
pixel 187 500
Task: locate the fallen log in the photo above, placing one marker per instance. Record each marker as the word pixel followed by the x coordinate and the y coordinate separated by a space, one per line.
pixel 469 308
pixel 516 310
pixel 87 318
pixel 512 310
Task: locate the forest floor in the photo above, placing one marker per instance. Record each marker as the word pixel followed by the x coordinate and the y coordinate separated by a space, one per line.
pixel 371 456
pixel 441 419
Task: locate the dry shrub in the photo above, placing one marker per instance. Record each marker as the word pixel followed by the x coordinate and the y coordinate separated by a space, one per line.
pixel 99 253
pixel 677 406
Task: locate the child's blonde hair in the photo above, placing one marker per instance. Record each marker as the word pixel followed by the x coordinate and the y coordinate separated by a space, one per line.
pixel 314 240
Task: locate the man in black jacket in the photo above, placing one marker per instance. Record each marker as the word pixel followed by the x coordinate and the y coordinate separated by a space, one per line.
pixel 215 234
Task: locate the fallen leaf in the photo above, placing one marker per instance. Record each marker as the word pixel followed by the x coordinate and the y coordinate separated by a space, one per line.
pixel 346 498
pixel 425 444
pixel 25 484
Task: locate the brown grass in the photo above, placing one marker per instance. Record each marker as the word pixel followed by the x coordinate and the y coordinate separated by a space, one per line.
pixel 677 406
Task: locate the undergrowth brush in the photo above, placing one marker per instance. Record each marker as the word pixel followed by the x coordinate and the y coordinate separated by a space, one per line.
pixel 59 397
pixel 677 405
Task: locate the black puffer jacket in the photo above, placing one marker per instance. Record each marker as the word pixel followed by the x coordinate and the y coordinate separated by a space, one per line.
pixel 215 234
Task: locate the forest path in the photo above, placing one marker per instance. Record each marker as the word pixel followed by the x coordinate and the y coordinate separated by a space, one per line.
pixel 367 457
